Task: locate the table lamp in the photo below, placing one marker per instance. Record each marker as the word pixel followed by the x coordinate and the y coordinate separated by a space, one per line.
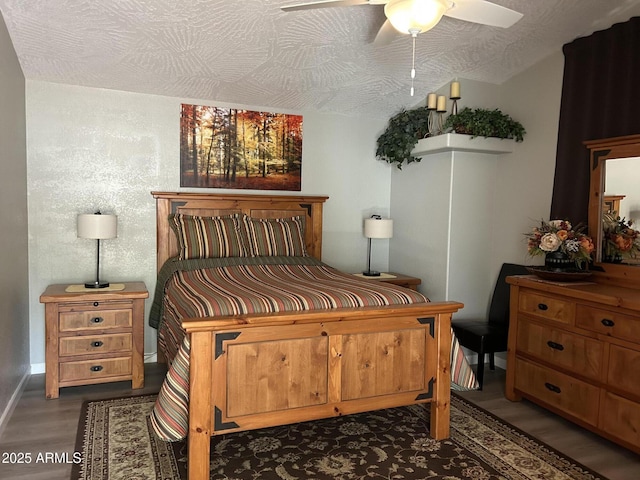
pixel 376 227
pixel 99 227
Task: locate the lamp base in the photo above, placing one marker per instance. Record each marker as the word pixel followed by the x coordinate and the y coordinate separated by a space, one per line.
pixel 371 273
pixel 96 285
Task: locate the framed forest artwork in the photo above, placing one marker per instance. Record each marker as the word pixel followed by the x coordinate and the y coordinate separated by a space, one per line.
pixel 233 148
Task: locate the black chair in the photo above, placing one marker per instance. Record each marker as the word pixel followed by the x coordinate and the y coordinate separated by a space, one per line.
pixel 489 335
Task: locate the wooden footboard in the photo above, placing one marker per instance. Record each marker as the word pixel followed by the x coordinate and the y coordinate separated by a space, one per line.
pixel 255 371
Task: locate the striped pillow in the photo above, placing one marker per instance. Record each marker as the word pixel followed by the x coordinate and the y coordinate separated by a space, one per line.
pixel 209 237
pixel 271 237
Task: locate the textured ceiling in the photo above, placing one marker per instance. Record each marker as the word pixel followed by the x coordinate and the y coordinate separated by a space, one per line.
pixel 249 52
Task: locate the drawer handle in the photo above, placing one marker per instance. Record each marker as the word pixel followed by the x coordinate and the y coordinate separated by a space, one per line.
pixel 552 387
pixel 543 306
pixel 97 320
pixel 97 344
pixel 96 368
pixel 95 304
pixel 555 346
pixel 607 323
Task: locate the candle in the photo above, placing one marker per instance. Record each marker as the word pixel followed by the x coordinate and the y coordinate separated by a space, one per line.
pixel 442 104
pixel 455 90
pixel 431 101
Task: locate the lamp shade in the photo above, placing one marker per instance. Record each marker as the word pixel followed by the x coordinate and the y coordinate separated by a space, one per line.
pixel 377 227
pixel 97 226
pixel 414 16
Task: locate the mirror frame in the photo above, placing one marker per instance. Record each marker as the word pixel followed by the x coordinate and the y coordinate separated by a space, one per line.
pixel 600 151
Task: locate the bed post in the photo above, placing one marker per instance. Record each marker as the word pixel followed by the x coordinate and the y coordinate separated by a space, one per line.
pixel 200 375
pixel 440 406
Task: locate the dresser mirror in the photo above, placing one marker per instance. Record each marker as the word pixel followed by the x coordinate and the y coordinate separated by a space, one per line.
pixel 614 187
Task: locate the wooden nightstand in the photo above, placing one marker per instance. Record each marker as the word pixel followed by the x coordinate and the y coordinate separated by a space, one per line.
pixel 94 336
pixel 397 279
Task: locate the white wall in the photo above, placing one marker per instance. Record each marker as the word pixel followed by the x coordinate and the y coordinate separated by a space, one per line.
pixel 92 148
pixel 520 188
pixel 622 179
pixel 442 205
pixel 14 286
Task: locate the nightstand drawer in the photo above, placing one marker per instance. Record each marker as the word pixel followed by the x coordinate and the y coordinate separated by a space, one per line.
pixel 98 368
pixel 608 323
pixel 99 344
pixel 95 319
pixel 546 307
pixel 572 396
pixel 567 350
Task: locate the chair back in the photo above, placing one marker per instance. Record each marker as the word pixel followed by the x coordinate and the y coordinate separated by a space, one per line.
pixel 499 309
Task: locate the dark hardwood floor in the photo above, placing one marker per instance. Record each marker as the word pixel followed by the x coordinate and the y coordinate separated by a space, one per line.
pixel 49 426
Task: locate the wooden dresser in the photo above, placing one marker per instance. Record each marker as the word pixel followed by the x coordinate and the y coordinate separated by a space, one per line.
pixel 575 350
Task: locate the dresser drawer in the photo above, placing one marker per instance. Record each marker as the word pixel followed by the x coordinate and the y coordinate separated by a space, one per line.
pixel 98 344
pixel 95 319
pixel 547 307
pixel 608 322
pixel 94 369
pixel 624 369
pixel 621 418
pixel 578 399
pixel 570 351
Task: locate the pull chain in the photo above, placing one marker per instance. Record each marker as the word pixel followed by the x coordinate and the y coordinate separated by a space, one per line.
pixel 414 34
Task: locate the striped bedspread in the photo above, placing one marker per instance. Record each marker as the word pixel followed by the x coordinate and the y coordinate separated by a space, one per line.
pixel 272 284
pixel 232 286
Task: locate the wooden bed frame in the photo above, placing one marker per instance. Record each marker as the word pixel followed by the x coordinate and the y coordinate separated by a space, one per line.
pixel 255 371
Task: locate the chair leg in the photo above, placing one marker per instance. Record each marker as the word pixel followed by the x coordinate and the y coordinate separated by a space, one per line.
pixel 480 368
pixel 492 361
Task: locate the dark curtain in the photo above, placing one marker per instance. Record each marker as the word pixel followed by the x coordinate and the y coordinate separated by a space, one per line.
pixel 600 99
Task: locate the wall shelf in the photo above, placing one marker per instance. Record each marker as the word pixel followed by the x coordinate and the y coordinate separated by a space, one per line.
pixel 456 142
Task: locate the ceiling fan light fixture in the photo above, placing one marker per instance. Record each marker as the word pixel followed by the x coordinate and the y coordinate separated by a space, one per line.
pixel 415 16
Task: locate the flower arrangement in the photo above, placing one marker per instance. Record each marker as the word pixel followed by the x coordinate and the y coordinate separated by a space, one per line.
pixel 620 239
pixel 560 236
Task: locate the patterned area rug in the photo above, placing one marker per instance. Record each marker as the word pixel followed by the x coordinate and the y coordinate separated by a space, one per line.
pixel 116 444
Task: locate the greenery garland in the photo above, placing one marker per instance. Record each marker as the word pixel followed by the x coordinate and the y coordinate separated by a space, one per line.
pixel 407 127
pixel 402 134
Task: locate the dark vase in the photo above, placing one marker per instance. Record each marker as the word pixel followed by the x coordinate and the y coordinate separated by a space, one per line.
pixel 558 261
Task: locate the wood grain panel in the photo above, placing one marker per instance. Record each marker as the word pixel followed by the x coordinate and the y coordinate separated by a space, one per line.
pixel 578 399
pixel 608 322
pixel 621 418
pixel 547 307
pixel 98 344
pixel 276 375
pixel 92 369
pixel 383 363
pixel 95 319
pixel 624 370
pixel 570 351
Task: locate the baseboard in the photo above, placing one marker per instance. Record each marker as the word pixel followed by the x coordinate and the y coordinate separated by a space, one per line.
pixel 151 357
pixel 13 401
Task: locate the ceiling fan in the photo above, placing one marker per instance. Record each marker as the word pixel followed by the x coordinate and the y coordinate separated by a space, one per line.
pixel 417 16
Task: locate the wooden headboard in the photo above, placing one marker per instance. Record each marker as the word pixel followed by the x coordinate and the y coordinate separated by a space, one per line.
pixel 257 206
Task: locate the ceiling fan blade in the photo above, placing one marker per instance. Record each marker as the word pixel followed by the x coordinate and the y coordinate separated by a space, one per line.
pixel 386 34
pixel 323 4
pixel 486 13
